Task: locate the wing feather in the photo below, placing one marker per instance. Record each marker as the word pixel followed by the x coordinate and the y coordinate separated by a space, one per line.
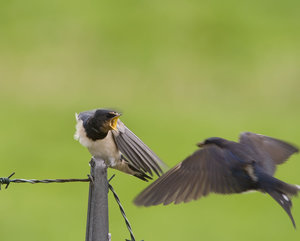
pixel 137 153
pixel 144 155
pixel 134 154
pixel 131 156
pixel 269 151
pixel 205 171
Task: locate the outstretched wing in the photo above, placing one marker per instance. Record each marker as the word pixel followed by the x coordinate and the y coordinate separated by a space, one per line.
pixel 211 169
pixel 267 147
pixel 138 154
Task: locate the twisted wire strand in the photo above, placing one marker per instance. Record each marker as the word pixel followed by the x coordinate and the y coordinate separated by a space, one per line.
pixel 121 209
pixel 33 181
pixel 6 180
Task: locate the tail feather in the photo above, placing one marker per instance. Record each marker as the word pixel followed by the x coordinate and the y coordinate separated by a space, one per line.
pixel 284 201
pixel 124 166
pixel 281 192
pixel 140 174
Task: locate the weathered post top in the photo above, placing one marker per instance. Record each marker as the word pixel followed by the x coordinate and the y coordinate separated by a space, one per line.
pixel 97 217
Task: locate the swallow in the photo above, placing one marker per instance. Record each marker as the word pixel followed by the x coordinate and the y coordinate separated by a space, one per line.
pixel 107 138
pixel 226 167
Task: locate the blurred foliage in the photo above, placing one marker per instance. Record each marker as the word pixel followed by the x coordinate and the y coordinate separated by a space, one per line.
pixel 180 71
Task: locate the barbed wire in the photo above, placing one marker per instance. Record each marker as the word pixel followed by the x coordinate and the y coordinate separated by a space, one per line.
pixel 6 181
pixel 121 209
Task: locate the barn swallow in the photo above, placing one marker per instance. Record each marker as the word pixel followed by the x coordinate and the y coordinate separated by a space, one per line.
pixel 106 137
pixel 226 167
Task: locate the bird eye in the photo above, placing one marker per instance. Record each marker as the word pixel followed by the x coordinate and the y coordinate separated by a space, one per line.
pixel 111 114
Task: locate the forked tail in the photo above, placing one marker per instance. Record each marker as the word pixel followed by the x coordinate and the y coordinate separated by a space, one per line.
pixel 281 192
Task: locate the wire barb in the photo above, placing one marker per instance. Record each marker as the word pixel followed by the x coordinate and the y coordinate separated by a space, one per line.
pixel 6 180
pixel 122 210
pixel 111 178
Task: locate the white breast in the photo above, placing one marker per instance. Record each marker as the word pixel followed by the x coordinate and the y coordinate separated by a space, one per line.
pixel 105 149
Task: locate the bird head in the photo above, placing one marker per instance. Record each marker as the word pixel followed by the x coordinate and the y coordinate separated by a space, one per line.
pixel 97 123
pixel 105 120
pixel 213 140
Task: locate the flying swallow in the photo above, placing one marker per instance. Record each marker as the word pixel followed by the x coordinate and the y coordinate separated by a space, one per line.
pixel 106 137
pixel 226 167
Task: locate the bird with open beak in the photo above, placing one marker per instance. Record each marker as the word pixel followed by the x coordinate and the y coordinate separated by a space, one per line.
pixel 226 167
pixel 107 138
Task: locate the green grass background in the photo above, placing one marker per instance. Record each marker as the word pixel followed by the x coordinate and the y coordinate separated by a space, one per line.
pixel 180 71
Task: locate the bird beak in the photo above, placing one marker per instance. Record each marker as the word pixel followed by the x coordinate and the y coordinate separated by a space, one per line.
pixel 114 121
pixel 200 144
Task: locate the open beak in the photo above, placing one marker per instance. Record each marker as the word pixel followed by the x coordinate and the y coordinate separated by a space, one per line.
pixel 114 122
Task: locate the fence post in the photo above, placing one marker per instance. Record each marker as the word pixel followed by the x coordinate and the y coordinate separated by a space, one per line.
pixel 97 216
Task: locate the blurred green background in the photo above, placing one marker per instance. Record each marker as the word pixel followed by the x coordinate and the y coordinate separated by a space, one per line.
pixel 180 71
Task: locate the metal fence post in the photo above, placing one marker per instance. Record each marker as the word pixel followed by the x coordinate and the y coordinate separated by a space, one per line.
pixel 97 216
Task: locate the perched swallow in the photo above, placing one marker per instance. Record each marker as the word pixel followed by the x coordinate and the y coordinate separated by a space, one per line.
pixel 106 137
pixel 225 167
